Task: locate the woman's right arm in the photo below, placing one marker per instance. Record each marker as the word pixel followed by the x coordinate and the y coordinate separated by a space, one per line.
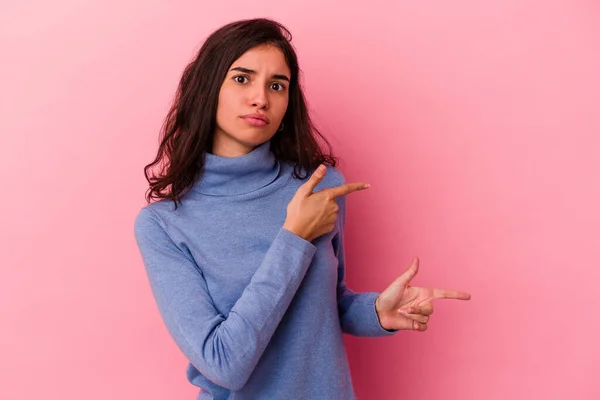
pixel 225 350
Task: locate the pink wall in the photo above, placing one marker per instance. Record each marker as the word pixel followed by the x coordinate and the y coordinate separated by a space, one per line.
pixel 477 124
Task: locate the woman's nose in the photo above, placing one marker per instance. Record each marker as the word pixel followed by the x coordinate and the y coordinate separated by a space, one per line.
pixel 259 97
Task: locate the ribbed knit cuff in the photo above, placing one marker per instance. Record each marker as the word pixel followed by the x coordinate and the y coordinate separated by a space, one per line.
pixel 296 241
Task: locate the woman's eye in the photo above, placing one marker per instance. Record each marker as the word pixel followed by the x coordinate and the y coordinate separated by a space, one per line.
pixel 240 77
pixel 278 87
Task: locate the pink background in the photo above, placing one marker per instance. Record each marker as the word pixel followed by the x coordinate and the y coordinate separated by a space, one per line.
pixel 477 124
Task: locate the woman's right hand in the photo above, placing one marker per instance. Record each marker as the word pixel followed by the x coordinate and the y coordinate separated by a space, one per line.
pixel 310 215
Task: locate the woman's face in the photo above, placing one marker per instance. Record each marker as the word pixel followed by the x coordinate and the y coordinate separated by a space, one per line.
pixel 252 101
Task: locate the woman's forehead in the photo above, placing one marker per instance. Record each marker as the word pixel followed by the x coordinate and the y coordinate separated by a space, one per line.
pixel 263 58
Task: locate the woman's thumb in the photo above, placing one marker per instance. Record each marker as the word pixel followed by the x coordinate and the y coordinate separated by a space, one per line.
pixel 403 280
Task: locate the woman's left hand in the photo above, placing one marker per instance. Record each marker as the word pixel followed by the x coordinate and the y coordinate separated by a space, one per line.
pixel 401 306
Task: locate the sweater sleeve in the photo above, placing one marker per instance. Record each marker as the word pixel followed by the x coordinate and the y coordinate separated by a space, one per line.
pixel 357 310
pixel 224 349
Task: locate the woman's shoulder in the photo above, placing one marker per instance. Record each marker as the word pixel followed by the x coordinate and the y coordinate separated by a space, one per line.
pixel 159 213
pixel 336 175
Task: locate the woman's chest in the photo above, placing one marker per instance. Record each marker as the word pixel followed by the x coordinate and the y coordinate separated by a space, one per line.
pixel 228 254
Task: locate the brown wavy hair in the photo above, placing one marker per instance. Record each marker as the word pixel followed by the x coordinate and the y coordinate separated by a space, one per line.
pixel 188 129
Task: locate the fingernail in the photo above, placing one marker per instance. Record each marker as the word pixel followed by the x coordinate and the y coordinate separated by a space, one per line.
pixel 321 168
pixel 366 185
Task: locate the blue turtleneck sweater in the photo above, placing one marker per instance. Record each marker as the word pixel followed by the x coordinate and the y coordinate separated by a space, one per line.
pixel 258 311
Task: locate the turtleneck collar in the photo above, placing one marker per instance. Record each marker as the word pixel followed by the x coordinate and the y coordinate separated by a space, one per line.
pixel 229 176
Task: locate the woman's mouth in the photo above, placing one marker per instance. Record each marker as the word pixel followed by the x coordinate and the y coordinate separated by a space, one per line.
pixel 254 121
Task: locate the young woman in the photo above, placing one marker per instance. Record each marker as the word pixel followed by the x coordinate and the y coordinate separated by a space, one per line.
pixel 244 249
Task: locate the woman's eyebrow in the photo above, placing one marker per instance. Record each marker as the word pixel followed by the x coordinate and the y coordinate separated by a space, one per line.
pixel 251 71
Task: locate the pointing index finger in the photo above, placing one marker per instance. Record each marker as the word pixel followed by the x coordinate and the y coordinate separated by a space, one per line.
pixel 450 294
pixel 347 188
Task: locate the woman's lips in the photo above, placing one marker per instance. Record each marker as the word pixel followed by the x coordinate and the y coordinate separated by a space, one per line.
pixel 254 121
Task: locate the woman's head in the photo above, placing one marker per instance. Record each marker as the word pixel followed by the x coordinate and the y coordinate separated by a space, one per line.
pixel 243 68
pixel 253 100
